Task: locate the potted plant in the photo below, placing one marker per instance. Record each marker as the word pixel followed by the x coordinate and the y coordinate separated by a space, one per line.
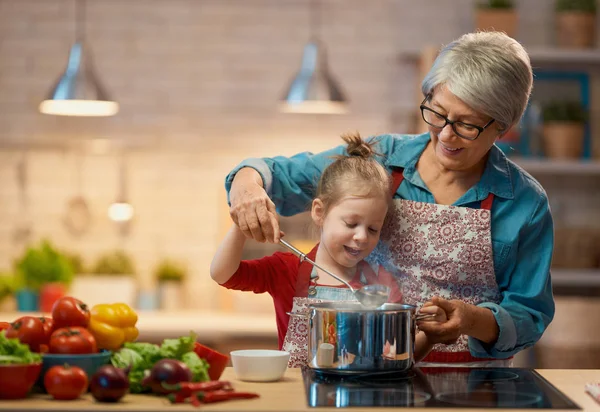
pixel 575 23
pixel 563 129
pixel 7 289
pixel 170 276
pixel 496 15
pixel 110 279
pixel 43 275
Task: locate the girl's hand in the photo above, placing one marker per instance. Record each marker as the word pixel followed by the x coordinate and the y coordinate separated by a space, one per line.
pixel 251 209
pixel 429 308
pixel 451 315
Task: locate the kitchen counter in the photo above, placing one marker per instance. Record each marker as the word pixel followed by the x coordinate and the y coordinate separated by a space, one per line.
pixel 210 326
pixel 285 395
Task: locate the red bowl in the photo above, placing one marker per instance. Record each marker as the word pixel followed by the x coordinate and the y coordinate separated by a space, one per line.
pixel 17 380
pixel 216 360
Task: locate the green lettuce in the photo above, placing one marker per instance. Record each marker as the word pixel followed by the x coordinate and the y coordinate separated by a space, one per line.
pixel 198 366
pixel 141 356
pixel 14 352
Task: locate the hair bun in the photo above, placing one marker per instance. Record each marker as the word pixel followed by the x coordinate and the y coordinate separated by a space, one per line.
pixel 357 146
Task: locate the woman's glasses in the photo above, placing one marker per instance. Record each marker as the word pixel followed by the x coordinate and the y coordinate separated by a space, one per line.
pixel 439 121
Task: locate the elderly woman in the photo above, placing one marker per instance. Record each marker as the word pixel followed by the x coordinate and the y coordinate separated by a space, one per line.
pixel 471 231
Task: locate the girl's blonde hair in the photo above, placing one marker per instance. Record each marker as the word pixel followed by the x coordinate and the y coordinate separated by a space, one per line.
pixel 357 174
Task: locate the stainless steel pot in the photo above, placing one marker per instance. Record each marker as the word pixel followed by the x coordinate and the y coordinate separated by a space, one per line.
pixel 347 337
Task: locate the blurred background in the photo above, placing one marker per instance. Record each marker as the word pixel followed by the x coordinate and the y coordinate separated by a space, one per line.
pixel 130 206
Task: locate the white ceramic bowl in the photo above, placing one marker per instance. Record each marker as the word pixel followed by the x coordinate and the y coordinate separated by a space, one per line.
pixel 259 365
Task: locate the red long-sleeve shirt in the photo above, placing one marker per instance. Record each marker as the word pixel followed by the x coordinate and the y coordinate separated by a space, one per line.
pixel 276 275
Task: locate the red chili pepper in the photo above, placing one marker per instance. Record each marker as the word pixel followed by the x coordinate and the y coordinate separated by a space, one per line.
pixel 221 395
pixel 194 400
pixel 187 388
pixel 177 397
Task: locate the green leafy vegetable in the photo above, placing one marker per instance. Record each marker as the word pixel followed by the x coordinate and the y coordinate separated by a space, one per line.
pixel 175 348
pixel 14 352
pixel 141 356
pixel 198 367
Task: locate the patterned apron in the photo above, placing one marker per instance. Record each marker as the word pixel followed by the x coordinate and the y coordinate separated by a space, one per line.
pixel 307 293
pixel 445 251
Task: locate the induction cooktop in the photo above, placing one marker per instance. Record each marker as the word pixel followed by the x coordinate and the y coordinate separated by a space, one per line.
pixel 428 387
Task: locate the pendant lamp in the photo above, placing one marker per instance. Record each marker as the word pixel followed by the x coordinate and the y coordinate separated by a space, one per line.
pixel 79 91
pixel 314 89
pixel 121 211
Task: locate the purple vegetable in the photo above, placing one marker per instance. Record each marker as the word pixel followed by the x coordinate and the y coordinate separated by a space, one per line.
pixel 109 384
pixel 170 371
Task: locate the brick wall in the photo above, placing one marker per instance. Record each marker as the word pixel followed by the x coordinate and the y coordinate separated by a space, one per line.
pixel 198 83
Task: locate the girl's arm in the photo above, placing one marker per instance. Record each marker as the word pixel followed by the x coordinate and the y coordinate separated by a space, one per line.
pixel 229 255
pixel 422 346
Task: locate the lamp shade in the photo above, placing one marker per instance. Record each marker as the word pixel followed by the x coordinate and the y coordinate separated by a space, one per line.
pixel 78 91
pixel 314 89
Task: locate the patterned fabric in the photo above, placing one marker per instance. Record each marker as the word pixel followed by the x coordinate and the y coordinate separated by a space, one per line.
pixel 296 338
pixel 439 250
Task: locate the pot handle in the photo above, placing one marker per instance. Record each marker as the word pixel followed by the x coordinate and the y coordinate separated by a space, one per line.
pixel 424 316
pixel 300 315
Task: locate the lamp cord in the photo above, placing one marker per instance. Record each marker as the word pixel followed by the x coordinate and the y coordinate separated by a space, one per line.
pixel 315 20
pixel 80 20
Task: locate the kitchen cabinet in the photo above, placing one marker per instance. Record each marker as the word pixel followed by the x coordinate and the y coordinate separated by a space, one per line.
pixel 285 395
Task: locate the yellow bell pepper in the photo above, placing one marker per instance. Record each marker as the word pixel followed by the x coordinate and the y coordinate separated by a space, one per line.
pixel 112 325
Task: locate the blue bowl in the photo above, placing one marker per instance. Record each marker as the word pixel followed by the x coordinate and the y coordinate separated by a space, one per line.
pixel 89 362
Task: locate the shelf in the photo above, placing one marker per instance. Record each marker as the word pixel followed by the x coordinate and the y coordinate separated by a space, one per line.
pixel 552 55
pixel 538 55
pixel 575 277
pixel 563 167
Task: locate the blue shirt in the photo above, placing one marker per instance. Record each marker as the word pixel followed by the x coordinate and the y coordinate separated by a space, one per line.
pixel 522 227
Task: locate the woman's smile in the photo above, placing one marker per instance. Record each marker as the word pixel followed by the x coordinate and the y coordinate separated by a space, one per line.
pixel 450 151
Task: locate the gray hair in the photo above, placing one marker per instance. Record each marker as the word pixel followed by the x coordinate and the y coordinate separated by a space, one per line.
pixel 489 71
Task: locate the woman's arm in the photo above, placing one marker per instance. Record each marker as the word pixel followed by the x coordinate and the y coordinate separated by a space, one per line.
pixel 527 303
pixel 288 182
pixel 228 257
pixel 251 209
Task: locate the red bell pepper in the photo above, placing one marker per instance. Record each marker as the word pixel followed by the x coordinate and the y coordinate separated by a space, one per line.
pixel 216 360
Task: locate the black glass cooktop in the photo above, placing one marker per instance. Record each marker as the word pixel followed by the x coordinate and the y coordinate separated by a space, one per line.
pixel 436 388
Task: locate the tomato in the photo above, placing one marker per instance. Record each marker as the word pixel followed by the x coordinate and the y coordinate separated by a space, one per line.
pixel 4 325
pixel 48 325
pixel 65 382
pixel 72 340
pixel 68 311
pixel 29 330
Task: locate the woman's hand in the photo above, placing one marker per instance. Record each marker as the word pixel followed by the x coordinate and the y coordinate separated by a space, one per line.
pixel 446 327
pixel 251 209
pixel 463 319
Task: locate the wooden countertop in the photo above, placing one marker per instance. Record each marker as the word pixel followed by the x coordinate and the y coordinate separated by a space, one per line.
pixel 285 395
pixel 212 326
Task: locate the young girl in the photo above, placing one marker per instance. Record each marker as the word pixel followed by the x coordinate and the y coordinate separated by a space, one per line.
pixel 351 203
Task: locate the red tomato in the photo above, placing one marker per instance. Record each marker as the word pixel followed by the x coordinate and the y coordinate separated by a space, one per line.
pixel 48 325
pixel 68 311
pixel 216 360
pixel 72 340
pixel 4 325
pixel 65 382
pixel 29 330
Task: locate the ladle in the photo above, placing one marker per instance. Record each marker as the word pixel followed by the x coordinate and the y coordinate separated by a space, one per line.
pixel 370 296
